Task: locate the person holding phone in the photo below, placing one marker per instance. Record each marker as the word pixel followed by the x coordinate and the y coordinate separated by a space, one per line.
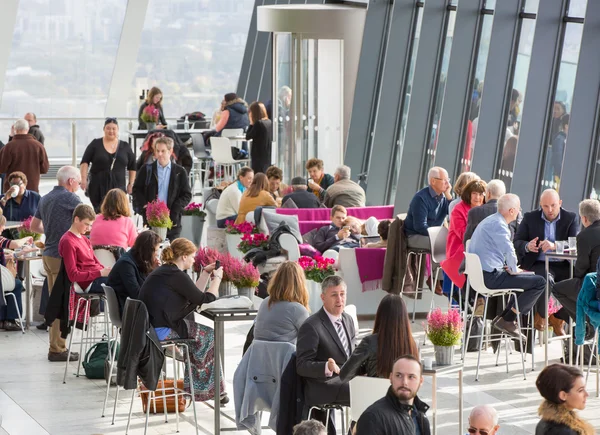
pixel 318 180
pixel 171 298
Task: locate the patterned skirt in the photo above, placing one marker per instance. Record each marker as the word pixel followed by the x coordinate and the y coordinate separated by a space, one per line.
pixel 202 356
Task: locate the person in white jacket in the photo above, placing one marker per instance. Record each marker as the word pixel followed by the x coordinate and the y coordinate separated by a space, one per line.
pixel 229 201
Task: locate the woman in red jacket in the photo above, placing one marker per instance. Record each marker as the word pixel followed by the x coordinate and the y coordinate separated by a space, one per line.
pixel 473 195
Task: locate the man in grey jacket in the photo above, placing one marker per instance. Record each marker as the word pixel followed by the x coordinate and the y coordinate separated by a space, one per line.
pixel 344 191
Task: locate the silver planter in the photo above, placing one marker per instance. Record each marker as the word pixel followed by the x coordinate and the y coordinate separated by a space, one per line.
pixel 191 228
pixel 444 355
pixel 246 291
pixel 161 231
pixel 226 288
pixel 150 126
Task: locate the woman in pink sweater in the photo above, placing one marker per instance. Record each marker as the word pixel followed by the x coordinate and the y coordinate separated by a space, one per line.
pixel 114 227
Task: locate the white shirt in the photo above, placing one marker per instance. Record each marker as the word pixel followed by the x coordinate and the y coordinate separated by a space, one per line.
pixel 229 201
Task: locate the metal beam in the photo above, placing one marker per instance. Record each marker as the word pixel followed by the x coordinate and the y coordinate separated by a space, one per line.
pixel 459 84
pixel 537 108
pixel 422 100
pixel 582 141
pixel 126 59
pixel 8 19
pixel 248 53
pixel 497 86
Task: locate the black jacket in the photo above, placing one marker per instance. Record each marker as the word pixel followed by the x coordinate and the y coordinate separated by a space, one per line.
pixel 58 304
pixel 388 416
pixel 588 250
pixel 126 279
pixel 145 190
pixel 140 353
pixel 261 133
pixel 317 342
pixel 291 399
pixel 303 199
pixel 325 238
pixel 363 361
pixel 532 226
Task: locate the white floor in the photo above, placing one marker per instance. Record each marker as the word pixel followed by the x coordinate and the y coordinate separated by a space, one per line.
pixel 33 399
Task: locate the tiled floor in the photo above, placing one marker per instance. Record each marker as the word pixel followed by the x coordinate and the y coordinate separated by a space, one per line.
pixel 33 399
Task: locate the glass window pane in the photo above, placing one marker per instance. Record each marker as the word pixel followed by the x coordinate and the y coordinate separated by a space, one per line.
pixel 513 118
pixel 192 50
pixel 60 65
pixel 559 128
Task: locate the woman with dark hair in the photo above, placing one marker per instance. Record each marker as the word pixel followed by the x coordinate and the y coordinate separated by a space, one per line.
pixel 171 298
pixel 391 338
pixel 114 227
pixel 257 195
pixel 107 159
pixel 234 114
pixel 563 390
pixel 472 195
pixel 154 98
pixel 261 133
pixel 130 271
pixel 382 229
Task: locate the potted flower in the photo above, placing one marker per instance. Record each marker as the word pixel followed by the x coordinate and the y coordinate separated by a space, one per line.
pixel 234 233
pixel 251 241
pixel 25 230
pixel 316 270
pixel 192 222
pixel 158 217
pixel 206 256
pixel 150 116
pixel 245 277
pixel 445 331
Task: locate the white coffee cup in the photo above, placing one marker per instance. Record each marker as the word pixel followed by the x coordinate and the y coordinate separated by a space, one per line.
pixel 14 191
pixel 428 363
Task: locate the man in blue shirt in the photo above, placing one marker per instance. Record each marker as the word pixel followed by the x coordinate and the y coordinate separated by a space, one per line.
pixel 535 236
pixel 491 241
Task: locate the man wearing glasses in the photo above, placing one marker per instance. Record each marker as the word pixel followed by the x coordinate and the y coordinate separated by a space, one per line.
pixel 428 208
pixel 483 420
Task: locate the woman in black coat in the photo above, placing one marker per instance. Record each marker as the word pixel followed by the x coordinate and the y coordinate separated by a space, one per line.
pixel 130 271
pixel 392 338
pixel 563 390
pixel 261 133
pixel 107 159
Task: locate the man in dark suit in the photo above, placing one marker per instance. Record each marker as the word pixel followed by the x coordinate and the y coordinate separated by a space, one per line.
pixel 325 341
pixel 588 252
pixel 536 235
pixel 164 180
pixel 334 235
pixel 300 195
pixel 495 189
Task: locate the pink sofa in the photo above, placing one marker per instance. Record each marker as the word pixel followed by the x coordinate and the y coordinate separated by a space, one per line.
pixel 311 218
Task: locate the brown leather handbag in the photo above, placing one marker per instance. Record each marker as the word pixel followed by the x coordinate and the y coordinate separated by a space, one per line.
pixel 158 397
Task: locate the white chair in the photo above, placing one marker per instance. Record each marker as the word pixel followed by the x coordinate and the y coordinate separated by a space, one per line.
pixel 351 311
pixel 474 273
pixel 201 161
pixel 21 321
pixel 290 244
pixel 232 132
pixel 105 257
pixel 364 391
pixel 221 154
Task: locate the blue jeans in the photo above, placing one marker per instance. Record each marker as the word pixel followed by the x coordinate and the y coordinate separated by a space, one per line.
pixel 9 311
pixel 533 287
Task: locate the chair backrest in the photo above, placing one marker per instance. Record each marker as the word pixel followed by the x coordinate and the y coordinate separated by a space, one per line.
pixel 290 244
pixel 438 236
pixel 351 311
pixel 114 311
pixel 199 146
pixel 364 391
pixel 475 273
pixel 232 132
pixel 105 257
pixel 221 150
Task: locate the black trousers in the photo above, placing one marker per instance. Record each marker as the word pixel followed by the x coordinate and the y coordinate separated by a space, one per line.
pixel 533 289
pixel 557 271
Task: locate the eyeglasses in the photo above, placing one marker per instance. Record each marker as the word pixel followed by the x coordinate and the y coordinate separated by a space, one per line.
pixel 479 431
pixel 15 184
pixel 443 179
pixel 76 181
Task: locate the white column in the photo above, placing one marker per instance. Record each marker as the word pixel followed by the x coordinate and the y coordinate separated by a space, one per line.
pixel 127 53
pixel 8 19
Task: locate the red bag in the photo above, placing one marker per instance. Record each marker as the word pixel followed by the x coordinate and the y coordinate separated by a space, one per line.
pixel 158 397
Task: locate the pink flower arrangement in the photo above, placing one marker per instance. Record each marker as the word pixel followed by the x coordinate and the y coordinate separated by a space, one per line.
pixel 194 209
pixel 251 241
pixel 235 270
pixel 158 214
pixel 25 229
pixel 444 329
pixel 150 114
pixel 244 228
pixel 553 306
pixel 318 268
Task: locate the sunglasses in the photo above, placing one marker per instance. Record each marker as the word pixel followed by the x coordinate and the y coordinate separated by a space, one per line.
pixel 479 431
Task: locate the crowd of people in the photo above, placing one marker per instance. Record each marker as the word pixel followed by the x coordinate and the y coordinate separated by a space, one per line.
pixel 483 219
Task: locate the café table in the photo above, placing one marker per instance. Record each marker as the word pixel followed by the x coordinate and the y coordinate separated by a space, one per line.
pixel 12 225
pixel 436 370
pixel 571 257
pixel 134 135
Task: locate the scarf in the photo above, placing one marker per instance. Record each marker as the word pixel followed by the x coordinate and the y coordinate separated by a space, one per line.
pixel 559 414
pixel 241 186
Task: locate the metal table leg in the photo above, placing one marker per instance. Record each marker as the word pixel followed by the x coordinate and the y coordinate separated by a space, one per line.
pixel 434 402
pixel 546 328
pixel 217 369
pixel 460 402
pixel 28 308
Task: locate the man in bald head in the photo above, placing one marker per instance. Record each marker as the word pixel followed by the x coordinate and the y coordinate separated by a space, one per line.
pixel 483 420
pixel 536 235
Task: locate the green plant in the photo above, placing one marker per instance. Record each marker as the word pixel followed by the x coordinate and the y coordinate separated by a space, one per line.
pixel 444 329
pixel 158 214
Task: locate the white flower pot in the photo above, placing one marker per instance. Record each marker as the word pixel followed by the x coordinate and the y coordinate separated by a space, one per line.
pixel 191 228
pixel 315 303
pixel 233 240
pixel 444 355
pixel 161 231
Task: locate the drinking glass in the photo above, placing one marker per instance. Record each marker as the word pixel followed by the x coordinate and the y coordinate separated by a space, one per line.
pixel 560 246
pixel 572 244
